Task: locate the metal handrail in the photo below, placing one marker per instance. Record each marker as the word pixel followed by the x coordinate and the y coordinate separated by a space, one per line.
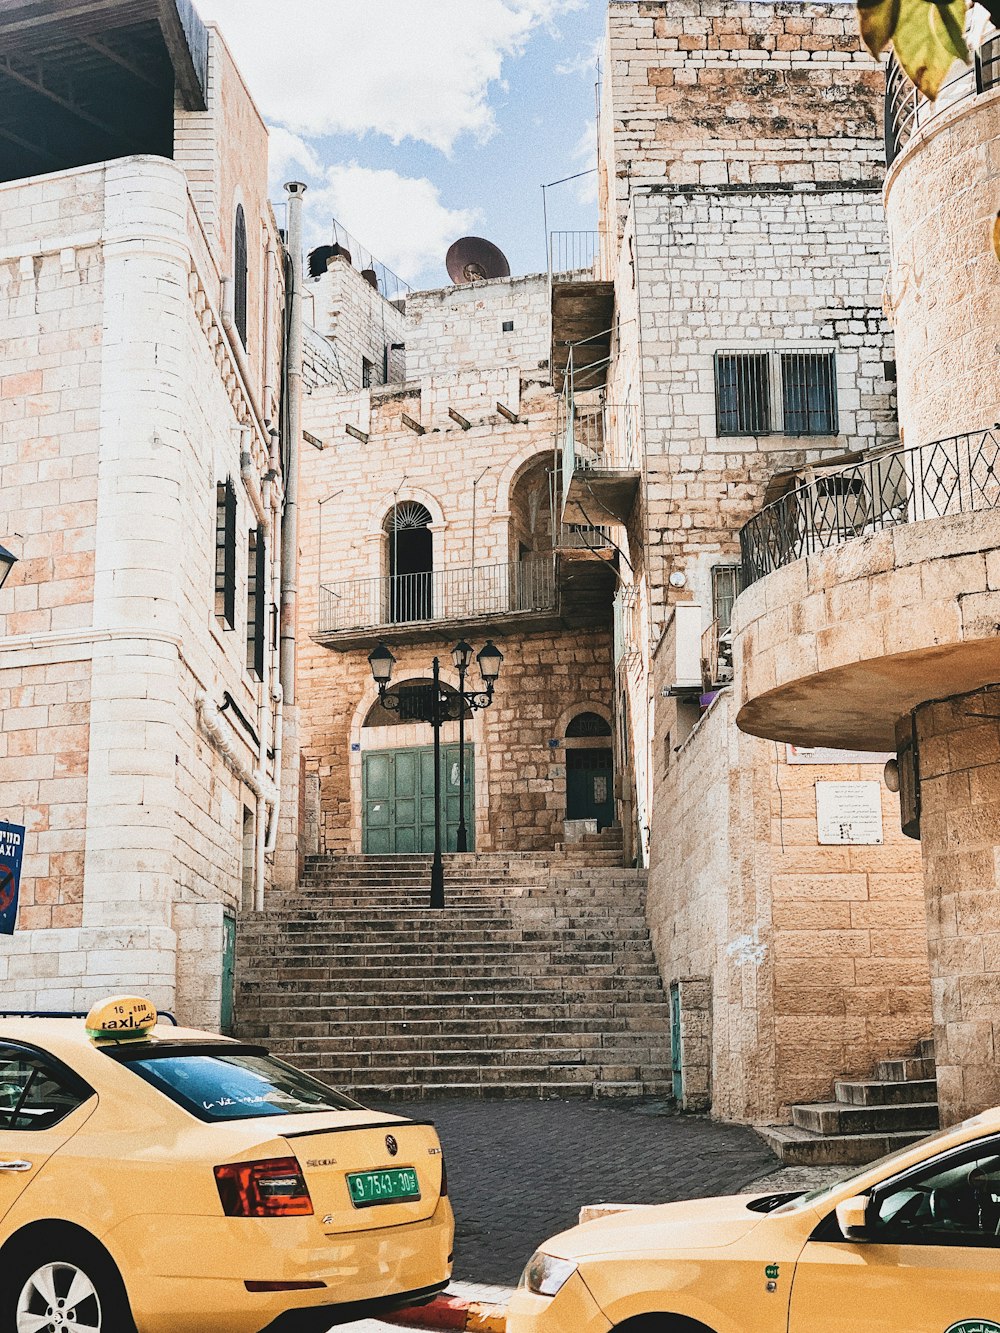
pixel 907 110
pixel 443 594
pixel 957 475
pixel 576 256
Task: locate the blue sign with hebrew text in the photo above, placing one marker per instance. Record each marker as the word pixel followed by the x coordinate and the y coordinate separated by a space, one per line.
pixel 11 854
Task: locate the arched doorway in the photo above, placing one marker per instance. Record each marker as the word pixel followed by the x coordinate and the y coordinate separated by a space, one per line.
pixel 590 770
pixel 410 562
pixel 397 778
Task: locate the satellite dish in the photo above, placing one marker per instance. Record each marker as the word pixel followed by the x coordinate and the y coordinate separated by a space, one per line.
pixel 473 259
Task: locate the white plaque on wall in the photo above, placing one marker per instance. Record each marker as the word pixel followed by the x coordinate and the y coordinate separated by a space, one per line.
pixel 849 812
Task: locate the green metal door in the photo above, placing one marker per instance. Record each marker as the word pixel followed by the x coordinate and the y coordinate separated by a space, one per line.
pixel 398 800
pixel 589 793
pixel 228 973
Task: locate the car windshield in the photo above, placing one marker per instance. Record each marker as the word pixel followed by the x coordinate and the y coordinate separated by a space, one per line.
pixel 825 1191
pixel 235 1084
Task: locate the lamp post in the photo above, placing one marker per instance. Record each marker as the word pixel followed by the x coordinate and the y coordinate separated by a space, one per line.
pixel 437 708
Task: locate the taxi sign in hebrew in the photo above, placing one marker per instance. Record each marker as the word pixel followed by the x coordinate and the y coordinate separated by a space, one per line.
pixel 975 1326
pixel 121 1018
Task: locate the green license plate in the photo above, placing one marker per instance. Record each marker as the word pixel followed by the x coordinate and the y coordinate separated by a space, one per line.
pixel 369 1188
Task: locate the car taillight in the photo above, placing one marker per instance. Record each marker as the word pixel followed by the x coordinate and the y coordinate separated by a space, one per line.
pixel 444 1177
pixel 274 1188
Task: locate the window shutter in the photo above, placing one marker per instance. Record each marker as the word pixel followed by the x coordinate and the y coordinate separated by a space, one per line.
pixel 225 553
pixel 240 265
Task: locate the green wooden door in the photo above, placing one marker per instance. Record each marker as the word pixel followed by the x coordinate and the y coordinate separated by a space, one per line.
pixel 589 791
pixel 398 800
pixel 676 1069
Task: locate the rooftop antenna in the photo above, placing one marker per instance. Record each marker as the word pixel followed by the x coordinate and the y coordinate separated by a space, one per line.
pixel 474 259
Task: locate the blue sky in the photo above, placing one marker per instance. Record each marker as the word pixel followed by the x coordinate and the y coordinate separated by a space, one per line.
pixel 417 121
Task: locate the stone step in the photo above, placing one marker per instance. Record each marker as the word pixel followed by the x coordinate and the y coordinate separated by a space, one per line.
pixel 925 1048
pixel 482 991
pixel 366 1009
pixel 428 1075
pixel 528 1090
pixel 519 1026
pixel 801 1147
pixel 466 978
pixel 404 1043
pixel 905 1070
pixel 837 1118
pixel 489 944
pixel 872 1093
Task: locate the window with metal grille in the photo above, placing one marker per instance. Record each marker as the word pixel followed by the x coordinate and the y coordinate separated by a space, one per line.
pixel 225 553
pixel 727 585
pixel 809 393
pixel 742 393
pixel 240 265
pixel 366 373
pixel 786 391
pixel 256 617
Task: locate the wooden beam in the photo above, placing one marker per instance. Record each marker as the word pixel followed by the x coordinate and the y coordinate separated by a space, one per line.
pixel 128 65
pixel 187 41
pixel 36 86
pixel 30 147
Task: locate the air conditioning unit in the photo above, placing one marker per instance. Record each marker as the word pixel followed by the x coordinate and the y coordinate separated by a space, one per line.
pixel 684 667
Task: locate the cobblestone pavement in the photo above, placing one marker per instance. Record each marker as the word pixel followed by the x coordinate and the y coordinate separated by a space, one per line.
pixel 519 1171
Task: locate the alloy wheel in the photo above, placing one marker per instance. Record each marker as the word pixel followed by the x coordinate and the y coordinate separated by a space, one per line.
pixel 59 1298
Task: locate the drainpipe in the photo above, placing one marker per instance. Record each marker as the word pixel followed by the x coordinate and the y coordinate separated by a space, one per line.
pixel 267 406
pixel 276 690
pixel 290 522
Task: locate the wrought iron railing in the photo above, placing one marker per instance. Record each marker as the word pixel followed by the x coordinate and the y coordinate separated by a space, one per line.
pixel 576 255
pixel 907 110
pixel 953 476
pixel 583 537
pixel 446 594
pixel 595 436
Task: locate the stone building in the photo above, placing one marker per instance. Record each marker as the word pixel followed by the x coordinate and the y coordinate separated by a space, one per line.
pixel 428 516
pixel 142 486
pixel 731 341
pixel 887 629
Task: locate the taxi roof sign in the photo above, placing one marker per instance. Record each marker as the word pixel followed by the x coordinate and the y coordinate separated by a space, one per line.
pixel 121 1018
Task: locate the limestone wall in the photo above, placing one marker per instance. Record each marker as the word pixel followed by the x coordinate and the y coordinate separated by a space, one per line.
pixel 461 328
pixel 710 93
pixel 358 324
pixel 817 954
pixel 943 290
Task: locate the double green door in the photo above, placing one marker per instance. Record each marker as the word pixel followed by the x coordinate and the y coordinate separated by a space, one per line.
pixel 398 800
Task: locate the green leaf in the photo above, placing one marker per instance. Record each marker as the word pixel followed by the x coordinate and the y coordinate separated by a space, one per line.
pixel 877 20
pixel 925 44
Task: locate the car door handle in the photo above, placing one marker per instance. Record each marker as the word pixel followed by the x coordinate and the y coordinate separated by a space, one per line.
pixel 15 1166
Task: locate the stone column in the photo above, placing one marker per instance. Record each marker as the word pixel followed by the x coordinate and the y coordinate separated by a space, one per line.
pixel 958 743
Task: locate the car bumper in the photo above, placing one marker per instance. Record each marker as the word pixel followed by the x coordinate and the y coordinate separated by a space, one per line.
pixel 185 1275
pixel 573 1310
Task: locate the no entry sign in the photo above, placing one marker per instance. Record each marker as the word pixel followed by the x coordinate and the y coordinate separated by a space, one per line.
pixel 11 854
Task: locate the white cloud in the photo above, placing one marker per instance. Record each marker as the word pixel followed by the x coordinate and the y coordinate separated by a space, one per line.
pixel 401 220
pixel 585 158
pixel 409 69
pixel 585 60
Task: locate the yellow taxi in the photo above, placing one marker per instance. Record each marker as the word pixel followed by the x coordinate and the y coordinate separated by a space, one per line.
pixel 157 1179
pixel 911 1244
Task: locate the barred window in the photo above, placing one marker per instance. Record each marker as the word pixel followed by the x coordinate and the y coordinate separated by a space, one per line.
pixel 256 620
pixel 727 584
pixel 366 373
pixel 809 393
pixel 240 265
pixel 790 391
pixel 225 553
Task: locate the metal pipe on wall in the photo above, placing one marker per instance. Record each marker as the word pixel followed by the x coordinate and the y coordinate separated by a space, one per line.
pixel 293 376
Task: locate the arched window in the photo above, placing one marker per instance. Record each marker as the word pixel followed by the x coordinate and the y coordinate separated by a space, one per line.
pixel 411 562
pixel 240 275
pixel 415 699
pixel 587 724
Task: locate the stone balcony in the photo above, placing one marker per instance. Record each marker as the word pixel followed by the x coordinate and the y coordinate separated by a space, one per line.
pixel 872 590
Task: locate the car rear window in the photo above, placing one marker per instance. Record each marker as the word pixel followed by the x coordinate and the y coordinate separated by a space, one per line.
pixel 226 1084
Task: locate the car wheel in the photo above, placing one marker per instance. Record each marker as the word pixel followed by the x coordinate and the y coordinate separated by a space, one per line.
pixel 70 1289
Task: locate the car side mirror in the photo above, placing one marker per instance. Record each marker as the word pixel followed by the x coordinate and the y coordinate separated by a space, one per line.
pixel 852 1217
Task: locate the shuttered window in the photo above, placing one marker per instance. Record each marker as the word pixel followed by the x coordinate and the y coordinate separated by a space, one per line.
pixel 256 610
pixel 742 393
pixel 225 553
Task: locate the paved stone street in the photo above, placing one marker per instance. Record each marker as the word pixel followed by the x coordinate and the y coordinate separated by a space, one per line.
pixel 520 1171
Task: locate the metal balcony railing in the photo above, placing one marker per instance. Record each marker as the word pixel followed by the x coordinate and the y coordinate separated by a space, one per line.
pixel 583 537
pixel 597 436
pixel 958 475
pixel 521 586
pixel 576 256
pixel 907 110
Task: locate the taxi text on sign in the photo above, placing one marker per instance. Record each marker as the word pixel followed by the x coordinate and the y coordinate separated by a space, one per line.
pixel 11 854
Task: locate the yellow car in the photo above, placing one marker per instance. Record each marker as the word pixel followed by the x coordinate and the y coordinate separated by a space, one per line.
pixel 163 1180
pixel 911 1244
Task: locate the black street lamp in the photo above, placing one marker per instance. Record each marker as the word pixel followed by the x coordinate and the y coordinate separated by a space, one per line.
pixel 7 562
pixel 438 707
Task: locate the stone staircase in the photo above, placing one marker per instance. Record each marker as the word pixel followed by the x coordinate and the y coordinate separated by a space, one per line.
pixel 867 1119
pixel 536 980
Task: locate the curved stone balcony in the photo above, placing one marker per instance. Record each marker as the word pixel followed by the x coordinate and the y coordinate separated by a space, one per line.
pixel 873 590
